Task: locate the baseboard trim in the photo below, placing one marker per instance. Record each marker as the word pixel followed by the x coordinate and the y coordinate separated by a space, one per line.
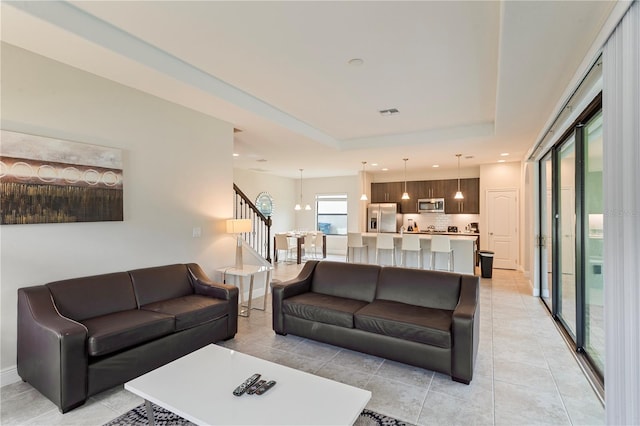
pixel 9 376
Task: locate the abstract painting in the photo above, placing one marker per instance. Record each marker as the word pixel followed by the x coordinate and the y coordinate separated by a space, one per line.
pixel 45 180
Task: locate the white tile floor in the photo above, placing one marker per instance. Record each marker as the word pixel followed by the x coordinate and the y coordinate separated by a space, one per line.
pixel 525 373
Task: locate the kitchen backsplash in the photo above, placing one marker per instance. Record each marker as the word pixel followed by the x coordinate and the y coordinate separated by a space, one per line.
pixel 440 220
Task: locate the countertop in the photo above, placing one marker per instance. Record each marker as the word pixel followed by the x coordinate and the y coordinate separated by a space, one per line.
pixel 447 233
pixel 427 235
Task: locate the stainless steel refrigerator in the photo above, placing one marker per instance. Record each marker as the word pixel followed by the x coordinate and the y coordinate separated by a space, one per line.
pixel 383 217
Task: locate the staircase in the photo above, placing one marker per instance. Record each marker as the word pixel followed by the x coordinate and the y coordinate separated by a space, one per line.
pixel 260 238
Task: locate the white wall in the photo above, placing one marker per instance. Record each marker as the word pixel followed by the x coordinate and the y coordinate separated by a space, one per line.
pixel 283 190
pixel 286 193
pixel 177 175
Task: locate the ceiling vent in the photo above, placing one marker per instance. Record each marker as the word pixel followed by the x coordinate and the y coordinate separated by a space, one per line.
pixel 388 112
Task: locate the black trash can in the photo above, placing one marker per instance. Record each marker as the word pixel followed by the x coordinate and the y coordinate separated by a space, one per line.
pixel 486 263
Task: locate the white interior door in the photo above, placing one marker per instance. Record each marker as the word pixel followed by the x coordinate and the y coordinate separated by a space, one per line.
pixel 502 211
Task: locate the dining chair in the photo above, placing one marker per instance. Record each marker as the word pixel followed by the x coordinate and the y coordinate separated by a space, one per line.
pixel 354 241
pixel 310 241
pixel 385 242
pixel 410 243
pixel 441 244
pixel 319 243
pixel 282 244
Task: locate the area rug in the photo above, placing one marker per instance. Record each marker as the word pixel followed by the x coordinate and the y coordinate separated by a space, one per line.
pixel 162 417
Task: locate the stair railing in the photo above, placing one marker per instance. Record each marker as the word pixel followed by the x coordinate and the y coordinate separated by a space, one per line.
pixel 260 238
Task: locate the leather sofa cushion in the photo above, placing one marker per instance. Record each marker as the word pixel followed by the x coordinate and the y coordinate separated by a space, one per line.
pixel 87 297
pixel 323 308
pixel 430 326
pixel 161 283
pixel 112 332
pixel 190 311
pixel 348 280
pixel 430 289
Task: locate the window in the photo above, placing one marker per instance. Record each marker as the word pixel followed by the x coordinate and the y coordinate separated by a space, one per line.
pixel 332 214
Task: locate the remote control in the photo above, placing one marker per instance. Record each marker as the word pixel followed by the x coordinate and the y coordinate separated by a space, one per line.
pixel 266 387
pixel 255 387
pixel 246 385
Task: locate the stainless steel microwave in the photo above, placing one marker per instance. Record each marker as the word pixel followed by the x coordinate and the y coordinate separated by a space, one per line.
pixel 431 205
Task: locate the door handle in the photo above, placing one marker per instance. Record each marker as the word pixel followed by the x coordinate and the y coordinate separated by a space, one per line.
pixel 490 233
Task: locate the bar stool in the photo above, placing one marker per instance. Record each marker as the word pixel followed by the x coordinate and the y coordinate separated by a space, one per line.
pixel 410 243
pixel 385 242
pixel 354 241
pixel 441 244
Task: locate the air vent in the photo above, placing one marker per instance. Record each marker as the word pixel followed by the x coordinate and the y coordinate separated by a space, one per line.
pixel 388 112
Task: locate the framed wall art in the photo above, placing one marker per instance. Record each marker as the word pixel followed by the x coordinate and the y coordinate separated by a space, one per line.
pixel 46 180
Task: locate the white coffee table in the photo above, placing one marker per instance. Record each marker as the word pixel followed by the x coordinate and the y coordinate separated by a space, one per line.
pixel 199 388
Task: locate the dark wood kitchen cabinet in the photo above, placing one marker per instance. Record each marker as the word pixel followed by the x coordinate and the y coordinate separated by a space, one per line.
pixel 386 192
pixel 470 204
pixel 410 205
pixel 391 192
pixel 431 188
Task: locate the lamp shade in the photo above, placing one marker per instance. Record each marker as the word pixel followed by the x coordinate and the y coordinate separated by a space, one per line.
pixel 237 226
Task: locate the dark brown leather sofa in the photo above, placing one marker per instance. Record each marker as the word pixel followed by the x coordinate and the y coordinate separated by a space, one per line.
pixel 81 336
pixel 429 319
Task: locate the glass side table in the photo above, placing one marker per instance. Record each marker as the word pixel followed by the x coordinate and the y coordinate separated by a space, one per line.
pixel 241 273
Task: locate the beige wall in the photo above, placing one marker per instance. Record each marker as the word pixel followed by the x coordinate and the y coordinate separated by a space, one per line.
pixel 177 176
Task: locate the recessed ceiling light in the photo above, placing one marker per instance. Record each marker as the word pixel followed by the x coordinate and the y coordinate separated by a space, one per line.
pixel 374 164
pixel 236 154
pixel 504 154
pixel 356 62
pixel 384 169
pixel 389 112
pixel 501 161
pixel 436 165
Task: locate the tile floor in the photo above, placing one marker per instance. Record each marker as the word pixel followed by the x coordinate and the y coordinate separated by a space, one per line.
pixel 525 373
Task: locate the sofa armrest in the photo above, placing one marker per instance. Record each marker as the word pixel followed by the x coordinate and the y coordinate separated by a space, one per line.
pixel 51 353
pixel 204 286
pixel 466 329
pixel 279 292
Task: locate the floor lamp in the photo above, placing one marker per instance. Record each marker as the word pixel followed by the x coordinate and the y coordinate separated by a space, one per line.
pixel 238 226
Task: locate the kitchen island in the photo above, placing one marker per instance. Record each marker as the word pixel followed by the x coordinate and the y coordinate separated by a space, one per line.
pixel 464 251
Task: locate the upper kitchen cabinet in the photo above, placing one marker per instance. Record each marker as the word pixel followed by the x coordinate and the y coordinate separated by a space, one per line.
pixel 386 192
pixel 470 204
pixel 431 189
pixel 410 205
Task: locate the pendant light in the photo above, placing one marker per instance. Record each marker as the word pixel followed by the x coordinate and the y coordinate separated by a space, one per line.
pixel 363 197
pixel 458 195
pixel 298 206
pixel 405 195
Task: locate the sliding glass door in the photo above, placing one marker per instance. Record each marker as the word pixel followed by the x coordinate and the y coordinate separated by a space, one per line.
pixel 593 232
pixel 571 234
pixel 546 231
pixel 566 234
